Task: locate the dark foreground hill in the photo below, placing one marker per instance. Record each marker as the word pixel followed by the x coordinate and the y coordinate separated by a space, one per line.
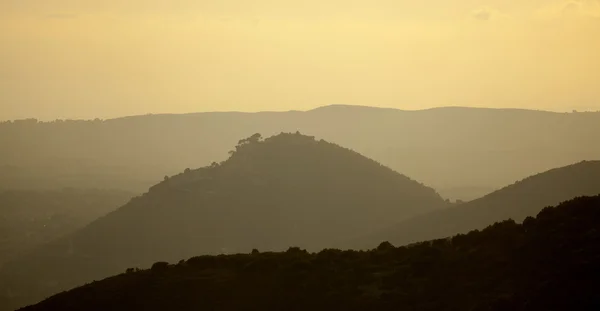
pixel 289 189
pixel 517 201
pixel 551 262
pixel 31 218
pixel 464 153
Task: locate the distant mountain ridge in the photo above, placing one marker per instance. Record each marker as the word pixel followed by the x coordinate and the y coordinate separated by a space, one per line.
pixel 316 109
pixel 446 148
pixel 522 199
pixel 288 189
pixel 441 108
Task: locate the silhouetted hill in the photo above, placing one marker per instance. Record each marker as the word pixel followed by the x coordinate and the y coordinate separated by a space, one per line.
pixel 549 263
pixel 451 149
pixel 517 201
pixel 31 218
pixel 289 189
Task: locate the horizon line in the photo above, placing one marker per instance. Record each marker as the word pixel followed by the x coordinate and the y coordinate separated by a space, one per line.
pixel 332 106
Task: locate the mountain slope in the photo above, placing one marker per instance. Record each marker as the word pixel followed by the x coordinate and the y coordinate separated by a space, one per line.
pixel 548 263
pixel 31 218
pixel 450 149
pixel 286 190
pixel 517 201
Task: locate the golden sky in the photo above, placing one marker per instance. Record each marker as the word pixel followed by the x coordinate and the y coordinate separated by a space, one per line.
pixel 107 58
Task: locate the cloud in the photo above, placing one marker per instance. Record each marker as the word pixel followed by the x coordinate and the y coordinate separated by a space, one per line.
pixel 585 8
pixel 482 14
pixel 487 14
pixel 572 9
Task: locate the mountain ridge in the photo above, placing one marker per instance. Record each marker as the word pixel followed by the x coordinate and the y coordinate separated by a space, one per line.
pixel 547 263
pixel 446 149
pixel 316 109
pixel 286 189
pixel 522 199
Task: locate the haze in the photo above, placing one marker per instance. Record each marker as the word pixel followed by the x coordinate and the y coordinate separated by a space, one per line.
pixel 88 59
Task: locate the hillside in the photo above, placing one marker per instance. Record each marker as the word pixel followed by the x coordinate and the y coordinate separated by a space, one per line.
pixel 548 263
pixel 289 189
pixel 517 201
pixel 31 218
pixel 461 152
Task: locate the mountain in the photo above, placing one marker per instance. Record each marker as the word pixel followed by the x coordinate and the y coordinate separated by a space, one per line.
pixel 31 218
pixel 517 201
pixel 288 189
pixel 547 263
pixel 461 152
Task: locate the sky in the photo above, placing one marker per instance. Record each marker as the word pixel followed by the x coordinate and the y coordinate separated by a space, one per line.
pixel 109 58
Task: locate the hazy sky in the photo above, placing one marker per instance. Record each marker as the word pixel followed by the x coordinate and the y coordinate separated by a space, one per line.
pixel 106 58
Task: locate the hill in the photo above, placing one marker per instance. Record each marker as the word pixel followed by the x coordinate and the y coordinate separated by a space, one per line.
pixel 517 201
pixel 461 152
pixel 288 189
pixel 31 218
pixel 547 263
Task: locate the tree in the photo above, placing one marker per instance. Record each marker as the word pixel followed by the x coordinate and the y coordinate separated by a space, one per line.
pixel 250 140
pixel 255 138
pixel 385 246
pixel 160 266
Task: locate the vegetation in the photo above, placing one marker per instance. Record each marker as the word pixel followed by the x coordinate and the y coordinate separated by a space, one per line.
pixel 31 218
pixel 547 263
pixel 288 189
pixel 517 201
pixel 462 152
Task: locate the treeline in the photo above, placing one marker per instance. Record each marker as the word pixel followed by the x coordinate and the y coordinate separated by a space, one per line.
pixel 550 262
